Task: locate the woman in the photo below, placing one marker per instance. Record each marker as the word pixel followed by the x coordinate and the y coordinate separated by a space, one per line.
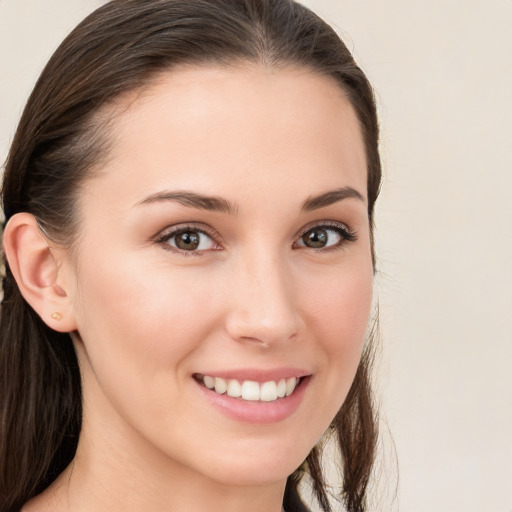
pixel 189 262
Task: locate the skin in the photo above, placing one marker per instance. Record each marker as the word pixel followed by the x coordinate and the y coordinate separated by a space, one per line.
pixel 149 317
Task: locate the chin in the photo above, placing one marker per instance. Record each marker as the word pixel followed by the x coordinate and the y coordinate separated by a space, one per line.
pixel 257 466
pixel 251 474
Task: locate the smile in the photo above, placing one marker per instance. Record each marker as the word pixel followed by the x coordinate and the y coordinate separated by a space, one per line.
pixel 250 390
pixel 252 395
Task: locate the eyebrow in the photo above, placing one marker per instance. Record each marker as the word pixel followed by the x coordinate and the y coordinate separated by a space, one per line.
pixel 218 204
pixel 331 197
pixel 193 200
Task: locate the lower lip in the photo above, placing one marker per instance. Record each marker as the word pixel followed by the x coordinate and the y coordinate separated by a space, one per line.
pixel 256 411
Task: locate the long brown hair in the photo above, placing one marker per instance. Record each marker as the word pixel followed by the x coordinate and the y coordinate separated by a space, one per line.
pixel 62 136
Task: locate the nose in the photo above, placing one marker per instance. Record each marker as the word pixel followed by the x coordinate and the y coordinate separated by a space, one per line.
pixel 263 302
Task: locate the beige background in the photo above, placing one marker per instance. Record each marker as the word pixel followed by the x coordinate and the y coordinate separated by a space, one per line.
pixel 443 73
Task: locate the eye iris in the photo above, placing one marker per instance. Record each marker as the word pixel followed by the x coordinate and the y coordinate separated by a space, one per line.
pixel 315 238
pixel 187 240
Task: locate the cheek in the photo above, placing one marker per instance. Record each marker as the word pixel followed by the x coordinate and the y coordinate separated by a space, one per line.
pixel 138 324
pixel 339 305
pixel 140 329
pixel 338 313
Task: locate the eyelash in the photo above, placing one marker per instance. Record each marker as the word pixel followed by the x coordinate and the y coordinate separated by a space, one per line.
pixel 344 232
pixel 163 238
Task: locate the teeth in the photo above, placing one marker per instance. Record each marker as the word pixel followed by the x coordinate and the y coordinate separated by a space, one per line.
pixel 209 382
pixel 234 388
pixel 221 385
pixel 290 385
pixel 251 390
pixel 268 391
pixel 281 388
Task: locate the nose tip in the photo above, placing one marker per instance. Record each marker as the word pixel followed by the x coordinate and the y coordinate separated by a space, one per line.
pixel 263 309
pixel 262 335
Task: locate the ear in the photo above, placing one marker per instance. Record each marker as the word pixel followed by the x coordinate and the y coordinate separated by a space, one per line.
pixel 36 267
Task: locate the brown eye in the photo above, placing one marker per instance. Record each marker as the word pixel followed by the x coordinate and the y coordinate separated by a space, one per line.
pixel 187 240
pixel 316 238
pixel 325 237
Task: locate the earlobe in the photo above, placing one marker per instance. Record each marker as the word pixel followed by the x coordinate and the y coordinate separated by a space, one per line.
pixel 35 268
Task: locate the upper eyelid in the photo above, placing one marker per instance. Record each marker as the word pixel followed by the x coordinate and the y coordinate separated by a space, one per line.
pixel 188 226
pixel 322 223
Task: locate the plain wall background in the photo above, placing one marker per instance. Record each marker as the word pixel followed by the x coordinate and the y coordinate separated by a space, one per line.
pixel 443 74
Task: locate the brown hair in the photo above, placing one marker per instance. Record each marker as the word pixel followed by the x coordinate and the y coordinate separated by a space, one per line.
pixel 119 48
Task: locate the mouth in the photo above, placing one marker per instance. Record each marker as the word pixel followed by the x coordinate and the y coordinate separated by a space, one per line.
pixel 253 395
pixel 251 390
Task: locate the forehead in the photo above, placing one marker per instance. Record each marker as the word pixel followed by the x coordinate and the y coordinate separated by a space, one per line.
pixel 203 127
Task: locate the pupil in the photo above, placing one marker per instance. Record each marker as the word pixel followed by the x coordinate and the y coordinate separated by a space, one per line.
pixel 315 238
pixel 189 240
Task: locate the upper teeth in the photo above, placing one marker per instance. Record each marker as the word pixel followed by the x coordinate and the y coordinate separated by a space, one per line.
pixel 251 390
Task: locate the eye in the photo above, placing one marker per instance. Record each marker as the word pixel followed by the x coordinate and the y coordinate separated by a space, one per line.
pixel 325 237
pixel 188 239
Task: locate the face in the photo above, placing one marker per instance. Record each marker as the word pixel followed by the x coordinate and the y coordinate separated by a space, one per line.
pixel 224 245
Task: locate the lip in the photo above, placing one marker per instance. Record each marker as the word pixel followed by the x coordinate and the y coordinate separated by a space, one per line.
pixel 258 374
pixel 256 411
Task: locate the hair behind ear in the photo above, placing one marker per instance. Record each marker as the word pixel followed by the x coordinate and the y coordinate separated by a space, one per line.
pixel 40 400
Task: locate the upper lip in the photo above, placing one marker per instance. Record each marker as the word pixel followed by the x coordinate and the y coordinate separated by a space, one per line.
pixel 257 374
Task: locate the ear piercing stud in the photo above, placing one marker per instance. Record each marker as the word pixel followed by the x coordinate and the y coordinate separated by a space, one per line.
pixel 57 315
